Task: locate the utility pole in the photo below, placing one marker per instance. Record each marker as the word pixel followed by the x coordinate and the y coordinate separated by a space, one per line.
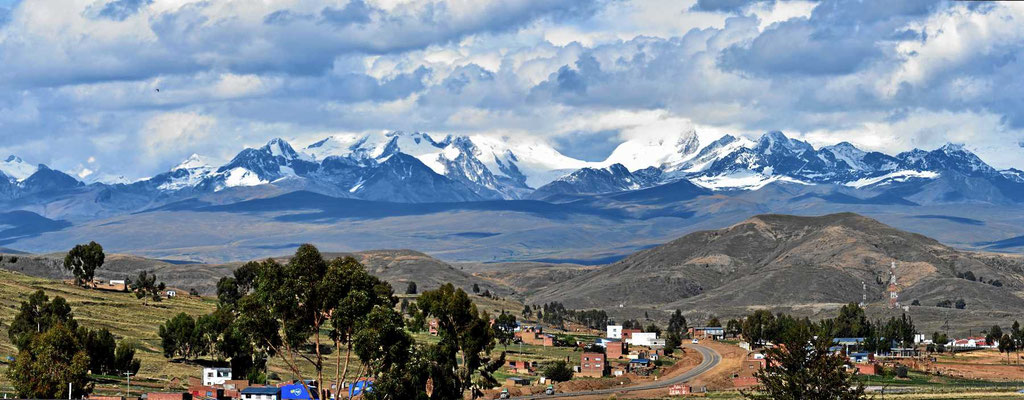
pixel 129 376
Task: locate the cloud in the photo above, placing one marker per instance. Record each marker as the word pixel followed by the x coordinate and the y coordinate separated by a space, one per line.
pixel 119 10
pixel 581 75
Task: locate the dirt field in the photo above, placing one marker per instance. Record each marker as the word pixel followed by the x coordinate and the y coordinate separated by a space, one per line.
pixel 989 365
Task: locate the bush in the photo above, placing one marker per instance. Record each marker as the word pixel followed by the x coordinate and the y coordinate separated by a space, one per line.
pixel 14 259
pixel 901 371
pixel 558 371
pixel 961 304
pixel 915 302
pixel 658 363
pixel 945 304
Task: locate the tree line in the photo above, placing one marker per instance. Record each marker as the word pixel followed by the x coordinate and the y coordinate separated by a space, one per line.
pixel 311 312
pixel 762 326
pixel 54 350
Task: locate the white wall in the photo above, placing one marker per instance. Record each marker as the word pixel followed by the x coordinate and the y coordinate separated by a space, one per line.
pixel 614 332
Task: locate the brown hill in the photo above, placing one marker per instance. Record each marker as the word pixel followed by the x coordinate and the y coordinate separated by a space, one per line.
pixel 793 262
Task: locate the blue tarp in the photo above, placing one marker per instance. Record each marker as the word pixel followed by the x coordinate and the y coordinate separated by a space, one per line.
pixel 294 391
pixel 360 387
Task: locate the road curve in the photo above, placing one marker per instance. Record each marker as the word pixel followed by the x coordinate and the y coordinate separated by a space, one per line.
pixel 711 358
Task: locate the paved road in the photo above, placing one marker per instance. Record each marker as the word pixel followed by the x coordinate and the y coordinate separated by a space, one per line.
pixel 711 359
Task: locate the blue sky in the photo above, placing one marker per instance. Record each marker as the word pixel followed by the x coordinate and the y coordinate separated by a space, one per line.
pixel 77 90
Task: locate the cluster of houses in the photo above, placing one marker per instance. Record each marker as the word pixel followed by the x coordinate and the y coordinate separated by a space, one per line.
pixel 217 384
pixel 640 348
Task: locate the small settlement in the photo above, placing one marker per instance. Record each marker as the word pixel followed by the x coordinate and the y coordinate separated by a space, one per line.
pixel 217 384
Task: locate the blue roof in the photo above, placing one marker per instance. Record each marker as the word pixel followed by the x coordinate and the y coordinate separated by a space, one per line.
pixel 848 340
pixel 859 354
pixel 640 361
pixel 295 391
pixel 261 390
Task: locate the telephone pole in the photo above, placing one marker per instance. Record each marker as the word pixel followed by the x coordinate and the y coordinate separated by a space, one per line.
pixel 129 376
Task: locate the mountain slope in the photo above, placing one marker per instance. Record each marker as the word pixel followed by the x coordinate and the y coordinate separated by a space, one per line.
pixel 794 261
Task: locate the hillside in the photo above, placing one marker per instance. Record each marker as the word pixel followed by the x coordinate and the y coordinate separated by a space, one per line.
pixel 398 267
pixel 793 262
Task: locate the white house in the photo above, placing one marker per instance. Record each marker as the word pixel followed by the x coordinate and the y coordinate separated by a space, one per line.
pixel 614 332
pixel 216 376
pixel 644 339
pixel 172 293
pixel 115 282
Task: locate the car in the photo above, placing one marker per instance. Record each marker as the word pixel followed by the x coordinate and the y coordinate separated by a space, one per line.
pixel 695 341
pixel 504 394
pixel 550 390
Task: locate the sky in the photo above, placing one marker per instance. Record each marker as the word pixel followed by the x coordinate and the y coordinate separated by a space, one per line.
pixel 78 87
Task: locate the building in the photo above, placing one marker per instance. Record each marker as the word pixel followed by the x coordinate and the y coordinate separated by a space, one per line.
pixel 628 333
pixel 707 332
pixel 216 376
pixel 679 390
pixel 168 396
pixel 206 392
pixel 515 381
pixel 171 293
pixel 594 365
pixel 974 343
pixel 643 339
pixel 640 366
pixel 261 393
pixel 534 335
pixel 522 367
pixel 745 377
pixel 93 397
pixel 615 349
pixel 614 332
pixel 868 369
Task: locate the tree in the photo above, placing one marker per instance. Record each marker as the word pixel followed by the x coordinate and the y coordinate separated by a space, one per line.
pixel 851 322
pixel 677 323
pixel 995 334
pixel 466 340
pixel 145 287
pixel 99 345
pixel 1007 345
pixel 179 337
pixel 386 350
pixel 83 260
pixel 916 302
pixel 476 288
pixel 714 322
pixel 961 304
pixel 505 328
pixel 410 288
pixel 527 312
pixel 295 309
pixel 558 371
pixel 124 358
pixel 38 315
pixel 53 359
pixel 227 290
pixel 653 328
pixel 757 326
pixel 1017 334
pixel 804 368
pixel 733 327
pixel 672 342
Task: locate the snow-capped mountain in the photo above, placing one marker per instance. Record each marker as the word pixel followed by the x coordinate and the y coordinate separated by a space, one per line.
pixel 16 168
pixel 616 178
pixel 417 167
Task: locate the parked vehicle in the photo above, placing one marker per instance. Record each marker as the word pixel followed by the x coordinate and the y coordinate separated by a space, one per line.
pixel 550 390
pixel 504 394
pixel 695 341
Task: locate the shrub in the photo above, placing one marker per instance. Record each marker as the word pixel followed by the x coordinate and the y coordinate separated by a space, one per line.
pixel 901 371
pixel 961 304
pixel 915 302
pixel 558 371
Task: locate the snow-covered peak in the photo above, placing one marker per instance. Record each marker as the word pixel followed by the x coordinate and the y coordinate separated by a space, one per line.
pixel 278 147
pixel 17 168
pixel 194 162
pixel 775 141
pixel 1013 174
pixel 849 154
pixel 709 154
pixel 655 151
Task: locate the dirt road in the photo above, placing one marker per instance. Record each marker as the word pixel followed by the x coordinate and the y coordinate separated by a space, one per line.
pixel 711 358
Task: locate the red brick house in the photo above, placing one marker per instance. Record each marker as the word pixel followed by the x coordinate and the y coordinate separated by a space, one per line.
pixel 616 350
pixel 594 365
pixel 628 333
pixel 168 396
pixel 746 377
pixel 521 367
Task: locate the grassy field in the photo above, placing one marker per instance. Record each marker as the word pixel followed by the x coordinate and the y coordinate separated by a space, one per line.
pixel 127 317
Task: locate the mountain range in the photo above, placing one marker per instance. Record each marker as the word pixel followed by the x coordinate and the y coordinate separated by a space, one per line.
pixel 537 202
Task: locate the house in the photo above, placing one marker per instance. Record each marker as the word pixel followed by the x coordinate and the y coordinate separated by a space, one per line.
pixel 975 342
pixel 216 376
pixel 628 333
pixel 261 393
pixel 707 332
pixel 432 327
pixel 206 392
pixel 594 365
pixel 614 332
pixel 640 366
pixel 615 349
pixel 860 357
pixel 745 377
pixel 236 384
pixel 535 335
pixel 521 367
pixel 679 390
pixel 644 339
pixel 168 396
pixel 171 293
pixel 94 397
pixel 868 369
pixel 515 381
